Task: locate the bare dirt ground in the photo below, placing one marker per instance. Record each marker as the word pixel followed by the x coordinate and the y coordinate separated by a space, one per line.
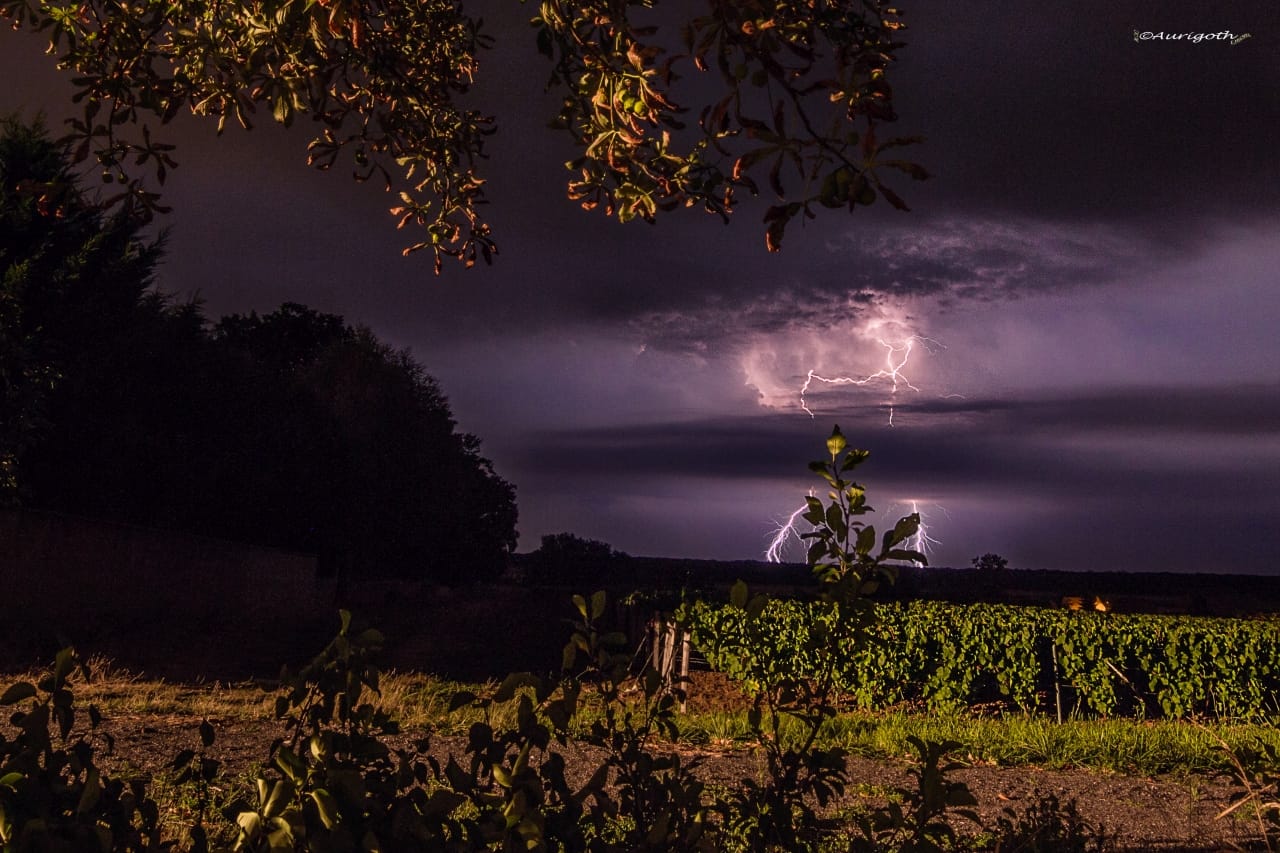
pixel 1139 813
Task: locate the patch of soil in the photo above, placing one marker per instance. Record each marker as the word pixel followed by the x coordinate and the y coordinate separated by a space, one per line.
pixel 714 691
pixel 1175 813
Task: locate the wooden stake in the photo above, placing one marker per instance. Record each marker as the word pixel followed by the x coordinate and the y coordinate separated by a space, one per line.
pixel 1057 685
pixel 684 666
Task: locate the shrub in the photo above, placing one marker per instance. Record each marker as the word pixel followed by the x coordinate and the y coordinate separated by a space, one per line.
pixel 53 796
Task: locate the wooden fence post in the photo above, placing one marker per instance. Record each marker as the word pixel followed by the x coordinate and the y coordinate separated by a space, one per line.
pixel 1057 684
pixel 668 660
pixel 684 667
pixel 655 633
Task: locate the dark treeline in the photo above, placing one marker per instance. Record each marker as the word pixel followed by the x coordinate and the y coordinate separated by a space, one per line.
pixel 291 429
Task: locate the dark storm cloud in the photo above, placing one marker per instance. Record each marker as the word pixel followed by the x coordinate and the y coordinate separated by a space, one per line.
pixel 1053 108
pixel 875 266
pixel 1064 155
pixel 950 441
pixel 986 260
pixel 1240 410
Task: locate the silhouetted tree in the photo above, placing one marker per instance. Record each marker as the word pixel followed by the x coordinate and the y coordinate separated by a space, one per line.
pixel 566 558
pixel 990 563
pixel 291 429
pixel 407 490
pixel 72 283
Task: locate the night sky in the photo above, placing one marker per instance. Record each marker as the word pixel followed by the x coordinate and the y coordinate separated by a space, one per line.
pixel 1095 266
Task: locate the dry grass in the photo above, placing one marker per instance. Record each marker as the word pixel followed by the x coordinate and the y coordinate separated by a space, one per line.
pixel 415 700
pixel 116 690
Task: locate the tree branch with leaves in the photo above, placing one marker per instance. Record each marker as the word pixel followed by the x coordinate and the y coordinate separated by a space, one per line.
pixel 798 92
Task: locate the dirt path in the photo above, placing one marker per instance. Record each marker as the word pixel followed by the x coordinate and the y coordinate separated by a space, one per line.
pixel 1141 813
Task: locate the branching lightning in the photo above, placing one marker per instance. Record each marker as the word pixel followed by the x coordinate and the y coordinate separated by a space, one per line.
pixel 786 532
pixel 893 374
pixel 896 356
pixel 921 541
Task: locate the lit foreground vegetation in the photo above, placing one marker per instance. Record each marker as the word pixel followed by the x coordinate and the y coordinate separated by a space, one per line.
pixel 353 743
pixel 952 656
pixel 357 764
pixel 422 703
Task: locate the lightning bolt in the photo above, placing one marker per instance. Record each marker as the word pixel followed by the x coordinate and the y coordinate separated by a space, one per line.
pixel 786 531
pixel 921 540
pixel 896 356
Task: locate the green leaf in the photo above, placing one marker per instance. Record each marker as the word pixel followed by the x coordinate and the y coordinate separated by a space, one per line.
pixel 370 638
pixel 281 109
pixel 595 784
pixel 866 540
pixel 853 459
pixel 250 824
pixel 458 778
pixel 568 656
pixel 288 762
pixel 281 835
pixel 738 594
pixel 513 682
pixel 90 794
pixel 893 198
pixel 327 807
pixel 834 519
pixel 836 443
pixel 460 698
pixel 442 802
pixel 17 692
pixel 906 527
pixel 62 666
pixel 501 775
pixel 279 799
pixel 182 759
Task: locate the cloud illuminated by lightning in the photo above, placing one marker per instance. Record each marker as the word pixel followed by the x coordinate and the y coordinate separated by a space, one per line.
pixel 766 366
pixel 774 362
pixel 896 357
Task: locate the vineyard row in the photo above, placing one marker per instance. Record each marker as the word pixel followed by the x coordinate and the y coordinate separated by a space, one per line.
pixel 951 656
